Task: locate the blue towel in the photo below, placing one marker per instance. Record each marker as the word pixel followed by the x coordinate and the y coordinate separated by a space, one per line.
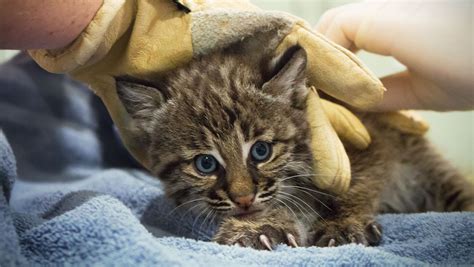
pixel 79 199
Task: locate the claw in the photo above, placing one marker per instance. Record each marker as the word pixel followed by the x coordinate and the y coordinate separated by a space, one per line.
pixel 376 230
pixel 265 241
pixel 332 242
pixel 238 244
pixel 292 240
pixel 353 240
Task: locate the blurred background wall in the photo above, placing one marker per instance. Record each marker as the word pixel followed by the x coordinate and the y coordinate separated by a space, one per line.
pixel 6 54
pixel 452 132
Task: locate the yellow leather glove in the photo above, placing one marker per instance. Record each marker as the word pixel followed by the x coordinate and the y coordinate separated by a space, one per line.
pixel 143 38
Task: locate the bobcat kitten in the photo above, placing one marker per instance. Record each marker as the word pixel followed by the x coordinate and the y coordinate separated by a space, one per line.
pixel 227 135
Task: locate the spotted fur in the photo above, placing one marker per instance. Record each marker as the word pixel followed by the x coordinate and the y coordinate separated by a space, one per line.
pixel 223 103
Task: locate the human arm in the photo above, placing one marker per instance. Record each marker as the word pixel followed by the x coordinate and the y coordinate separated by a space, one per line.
pixel 48 24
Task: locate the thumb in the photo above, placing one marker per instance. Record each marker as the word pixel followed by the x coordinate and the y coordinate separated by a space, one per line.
pixel 408 90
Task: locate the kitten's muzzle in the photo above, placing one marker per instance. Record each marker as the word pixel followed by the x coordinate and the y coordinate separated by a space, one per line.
pixel 244 202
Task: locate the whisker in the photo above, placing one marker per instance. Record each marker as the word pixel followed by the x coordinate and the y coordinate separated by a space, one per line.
pixel 212 219
pixel 299 207
pixel 304 202
pixel 308 189
pixel 281 201
pixel 190 209
pixel 299 167
pixel 305 175
pixel 210 211
pixel 314 197
pixel 197 218
pixel 182 204
pixel 211 223
pixel 295 176
pixel 222 209
pixel 303 154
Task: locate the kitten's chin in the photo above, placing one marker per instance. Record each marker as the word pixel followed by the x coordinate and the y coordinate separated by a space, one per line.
pixel 247 214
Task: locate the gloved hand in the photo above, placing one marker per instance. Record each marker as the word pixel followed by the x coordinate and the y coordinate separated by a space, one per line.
pixel 144 38
pixel 432 38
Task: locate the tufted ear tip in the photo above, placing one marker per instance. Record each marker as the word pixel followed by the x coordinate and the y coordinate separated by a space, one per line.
pixel 293 59
pixel 287 73
pixel 140 98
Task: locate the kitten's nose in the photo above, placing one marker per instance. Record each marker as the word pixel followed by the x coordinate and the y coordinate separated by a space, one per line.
pixel 244 202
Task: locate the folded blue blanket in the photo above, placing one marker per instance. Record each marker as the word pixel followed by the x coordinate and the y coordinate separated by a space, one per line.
pixel 72 205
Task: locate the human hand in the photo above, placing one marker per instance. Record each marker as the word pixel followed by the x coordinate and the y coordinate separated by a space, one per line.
pixel 44 23
pixel 433 39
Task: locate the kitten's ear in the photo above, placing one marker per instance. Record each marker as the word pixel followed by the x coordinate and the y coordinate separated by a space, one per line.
pixel 140 98
pixel 288 76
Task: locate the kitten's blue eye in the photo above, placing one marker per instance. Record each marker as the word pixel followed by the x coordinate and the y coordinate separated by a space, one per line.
pixel 206 163
pixel 260 151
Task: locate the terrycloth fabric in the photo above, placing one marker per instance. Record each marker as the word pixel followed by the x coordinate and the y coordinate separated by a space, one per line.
pixel 109 228
pixel 70 207
pixel 7 168
pixel 41 113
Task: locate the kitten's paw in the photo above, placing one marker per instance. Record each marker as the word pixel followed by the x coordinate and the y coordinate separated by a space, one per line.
pixel 337 233
pixel 262 236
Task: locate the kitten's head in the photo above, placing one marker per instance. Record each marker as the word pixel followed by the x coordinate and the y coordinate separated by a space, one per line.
pixel 225 131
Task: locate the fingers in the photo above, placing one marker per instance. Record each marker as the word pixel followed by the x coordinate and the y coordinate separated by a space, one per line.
pixel 401 93
pixel 368 25
pixel 347 126
pixel 407 90
pixel 340 24
pixel 330 160
pixel 431 38
pixel 406 121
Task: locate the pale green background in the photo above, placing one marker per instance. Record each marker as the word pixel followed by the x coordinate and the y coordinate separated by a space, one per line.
pixel 452 132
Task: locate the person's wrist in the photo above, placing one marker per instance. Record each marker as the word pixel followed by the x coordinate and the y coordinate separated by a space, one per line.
pixel 49 24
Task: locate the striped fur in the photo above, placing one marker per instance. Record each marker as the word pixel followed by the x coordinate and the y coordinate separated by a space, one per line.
pixel 223 103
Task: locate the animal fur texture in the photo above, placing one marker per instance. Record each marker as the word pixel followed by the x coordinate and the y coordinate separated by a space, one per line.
pixel 227 136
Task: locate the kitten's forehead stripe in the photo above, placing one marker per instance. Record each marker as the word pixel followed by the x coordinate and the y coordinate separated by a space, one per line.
pixel 246 151
pixel 215 153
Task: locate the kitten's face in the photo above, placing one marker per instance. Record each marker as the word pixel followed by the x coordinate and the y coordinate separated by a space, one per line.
pixel 221 138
